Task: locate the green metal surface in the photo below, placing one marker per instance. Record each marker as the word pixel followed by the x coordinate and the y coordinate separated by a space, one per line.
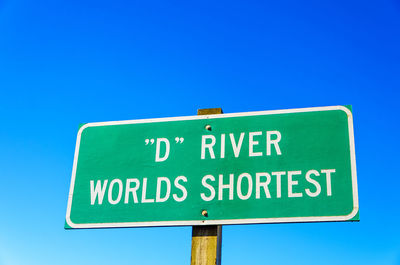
pixel 311 140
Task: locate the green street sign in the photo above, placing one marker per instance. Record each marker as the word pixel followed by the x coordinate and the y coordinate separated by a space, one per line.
pixel 293 165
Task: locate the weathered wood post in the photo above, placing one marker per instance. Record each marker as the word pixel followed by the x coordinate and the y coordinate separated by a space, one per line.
pixel 206 240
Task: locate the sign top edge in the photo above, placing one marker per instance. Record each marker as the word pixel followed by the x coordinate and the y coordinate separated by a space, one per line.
pixel 218 116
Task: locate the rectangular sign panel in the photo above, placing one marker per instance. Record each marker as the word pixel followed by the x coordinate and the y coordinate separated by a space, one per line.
pixel 258 167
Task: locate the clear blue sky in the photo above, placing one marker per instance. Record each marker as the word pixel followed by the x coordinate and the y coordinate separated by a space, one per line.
pixel 63 63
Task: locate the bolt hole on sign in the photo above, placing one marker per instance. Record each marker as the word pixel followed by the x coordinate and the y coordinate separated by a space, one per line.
pixel 295 165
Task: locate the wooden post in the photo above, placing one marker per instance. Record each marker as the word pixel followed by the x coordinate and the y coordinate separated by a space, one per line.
pixel 207 239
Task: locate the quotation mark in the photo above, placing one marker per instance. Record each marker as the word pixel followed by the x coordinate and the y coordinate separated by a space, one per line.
pixel 147 141
pixel 179 139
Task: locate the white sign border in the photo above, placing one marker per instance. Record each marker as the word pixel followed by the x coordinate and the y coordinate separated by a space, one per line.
pixel 228 221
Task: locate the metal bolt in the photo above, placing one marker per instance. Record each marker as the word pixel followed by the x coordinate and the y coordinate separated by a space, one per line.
pixel 204 213
pixel 208 127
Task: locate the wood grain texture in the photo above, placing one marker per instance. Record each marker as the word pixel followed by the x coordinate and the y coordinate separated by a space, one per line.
pixel 209 111
pixel 206 245
pixel 206 240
